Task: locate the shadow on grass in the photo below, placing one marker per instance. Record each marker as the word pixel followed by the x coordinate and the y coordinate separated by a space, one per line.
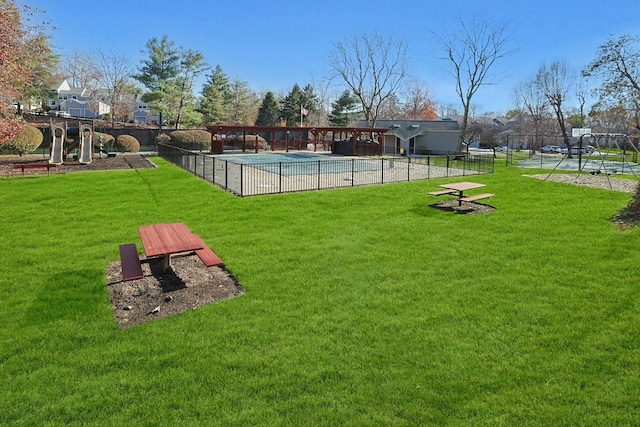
pixel 453 207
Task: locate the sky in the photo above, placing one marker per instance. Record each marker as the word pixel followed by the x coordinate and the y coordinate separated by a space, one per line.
pixel 275 44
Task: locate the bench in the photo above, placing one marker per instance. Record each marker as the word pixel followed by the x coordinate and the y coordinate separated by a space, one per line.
pixel 442 192
pixel 474 198
pixel 131 267
pixel 208 257
pixel 34 166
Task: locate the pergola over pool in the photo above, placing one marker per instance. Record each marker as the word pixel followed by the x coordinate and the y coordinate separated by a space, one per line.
pixel 298 137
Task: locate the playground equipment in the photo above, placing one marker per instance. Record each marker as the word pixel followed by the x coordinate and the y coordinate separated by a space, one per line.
pixel 57 143
pixel 85 149
pixel 83 142
pixel 607 167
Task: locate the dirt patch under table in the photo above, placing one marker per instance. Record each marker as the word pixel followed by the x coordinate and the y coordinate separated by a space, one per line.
pixel 187 285
pixel 452 205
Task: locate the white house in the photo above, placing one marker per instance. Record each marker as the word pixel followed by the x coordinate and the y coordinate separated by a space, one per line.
pixel 77 102
pixel 142 112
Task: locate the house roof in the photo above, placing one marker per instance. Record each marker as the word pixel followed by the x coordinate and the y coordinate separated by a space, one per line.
pixel 406 129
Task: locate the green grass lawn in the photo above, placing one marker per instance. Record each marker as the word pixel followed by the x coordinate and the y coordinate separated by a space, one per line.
pixel 363 306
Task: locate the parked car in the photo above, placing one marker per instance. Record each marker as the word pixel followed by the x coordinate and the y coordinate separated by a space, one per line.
pixel 501 148
pixel 578 150
pixel 553 149
pixel 57 113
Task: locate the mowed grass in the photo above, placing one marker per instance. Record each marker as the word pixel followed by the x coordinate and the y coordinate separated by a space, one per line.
pixel 363 306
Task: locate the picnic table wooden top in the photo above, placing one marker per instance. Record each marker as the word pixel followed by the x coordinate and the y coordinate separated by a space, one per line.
pixel 167 239
pixel 462 186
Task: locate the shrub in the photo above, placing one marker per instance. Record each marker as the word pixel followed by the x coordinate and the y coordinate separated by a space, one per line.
pixel 236 141
pixel 191 139
pixel 104 138
pixel 163 138
pixel 26 141
pixel 127 144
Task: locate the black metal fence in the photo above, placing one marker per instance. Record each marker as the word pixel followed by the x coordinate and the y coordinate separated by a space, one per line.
pixel 249 179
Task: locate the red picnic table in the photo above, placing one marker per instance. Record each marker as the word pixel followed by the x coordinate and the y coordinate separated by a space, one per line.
pixel 164 240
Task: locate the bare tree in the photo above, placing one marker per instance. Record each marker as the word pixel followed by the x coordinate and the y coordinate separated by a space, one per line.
pixel 555 82
pixel 322 86
pixel 391 109
pixel 419 104
pixel 618 65
pixel 114 76
pixel 446 110
pixel 80 69
pixel 531 100
pixel 373 67
pixel 582 92
pixel 472 52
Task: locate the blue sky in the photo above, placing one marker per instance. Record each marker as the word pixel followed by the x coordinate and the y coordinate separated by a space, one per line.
pixel 274 44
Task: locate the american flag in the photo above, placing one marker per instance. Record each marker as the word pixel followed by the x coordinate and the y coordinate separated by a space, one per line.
pixel 304 111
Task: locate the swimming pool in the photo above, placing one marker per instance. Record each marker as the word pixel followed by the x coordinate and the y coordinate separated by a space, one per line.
pixel 291 164
pixel 251 158
pixel 271 173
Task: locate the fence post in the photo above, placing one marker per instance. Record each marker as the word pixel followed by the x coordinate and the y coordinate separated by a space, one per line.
pixel 226 173
pixel 353 171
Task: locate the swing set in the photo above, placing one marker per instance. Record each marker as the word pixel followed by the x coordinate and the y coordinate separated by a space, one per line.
pixel 601 165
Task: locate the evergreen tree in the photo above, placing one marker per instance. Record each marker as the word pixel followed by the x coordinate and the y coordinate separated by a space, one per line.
pixel 290 106
pixel 309 101
pixel 216 98
pixel 157 74
pixel 344 109
pixel 242 104
pixel 191 66
pixel 268 114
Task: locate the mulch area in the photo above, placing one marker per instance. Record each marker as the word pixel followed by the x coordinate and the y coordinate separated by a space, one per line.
pixel 187 285
pixel 452 205
pixel 121 161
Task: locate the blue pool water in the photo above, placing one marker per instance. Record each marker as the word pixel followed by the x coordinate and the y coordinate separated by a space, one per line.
pixel 289 164
pixel 252 159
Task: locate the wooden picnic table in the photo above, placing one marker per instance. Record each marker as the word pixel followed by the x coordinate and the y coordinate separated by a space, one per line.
pixel 164 240
pixel 461 187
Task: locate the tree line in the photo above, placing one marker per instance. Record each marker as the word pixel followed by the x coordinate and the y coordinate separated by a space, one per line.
pixel 373 71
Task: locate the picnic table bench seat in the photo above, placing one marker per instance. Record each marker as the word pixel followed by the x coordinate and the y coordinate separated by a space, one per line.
pixel 208 257
pixel 476 197
pixel 34 166
pixel 131 267
pixel 441 192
